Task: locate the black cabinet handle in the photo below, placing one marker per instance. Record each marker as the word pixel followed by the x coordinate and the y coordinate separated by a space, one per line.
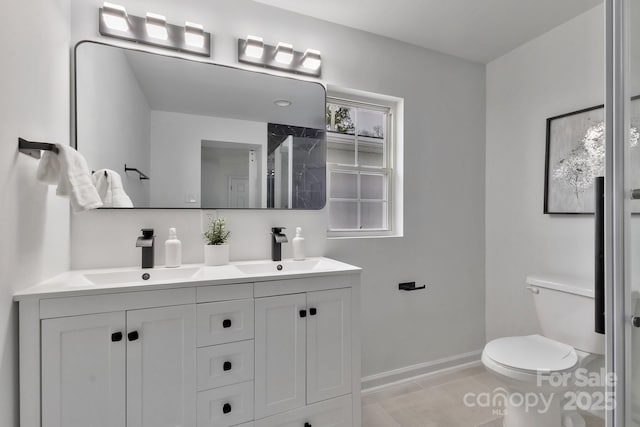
pixel 313 311
pixel 133 335
pixel 226 366
pixel 116 336
pixel 226 323
pixel 226 408
pixel 307 424
pixel 303 313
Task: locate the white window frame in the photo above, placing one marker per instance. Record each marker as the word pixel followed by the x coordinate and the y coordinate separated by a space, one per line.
pixel 388 169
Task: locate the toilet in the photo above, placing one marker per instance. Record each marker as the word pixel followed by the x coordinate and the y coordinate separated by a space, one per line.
pixel 537 369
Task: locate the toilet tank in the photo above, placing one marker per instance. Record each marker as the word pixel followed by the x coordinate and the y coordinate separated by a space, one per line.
pixel 565 306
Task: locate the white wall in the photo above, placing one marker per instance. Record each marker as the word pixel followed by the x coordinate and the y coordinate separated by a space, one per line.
pixel 35 223
pixel 444 168
pixel 112 94
pixel 559 72
pixel 176 144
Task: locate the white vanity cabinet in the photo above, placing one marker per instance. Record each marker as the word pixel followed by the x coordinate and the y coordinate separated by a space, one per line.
pixel 133 368
pixel 303 349
pixel 263 352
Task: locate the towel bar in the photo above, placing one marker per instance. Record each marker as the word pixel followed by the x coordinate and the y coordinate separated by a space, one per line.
pixel 33 149
pixel 138 171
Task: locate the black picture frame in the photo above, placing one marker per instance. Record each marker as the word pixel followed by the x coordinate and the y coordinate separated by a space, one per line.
pixel 554 194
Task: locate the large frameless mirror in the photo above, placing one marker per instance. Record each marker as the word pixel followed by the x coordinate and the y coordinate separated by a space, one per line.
pixel 189 134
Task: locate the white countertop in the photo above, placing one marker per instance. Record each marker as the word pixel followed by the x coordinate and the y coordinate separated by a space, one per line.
pixel 75 282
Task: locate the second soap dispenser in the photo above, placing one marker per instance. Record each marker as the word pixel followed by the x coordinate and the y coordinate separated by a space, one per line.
pixel 298 245
pixel 173 250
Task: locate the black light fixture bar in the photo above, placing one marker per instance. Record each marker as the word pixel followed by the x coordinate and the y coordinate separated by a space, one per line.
pixel 137 32
pixel 268 60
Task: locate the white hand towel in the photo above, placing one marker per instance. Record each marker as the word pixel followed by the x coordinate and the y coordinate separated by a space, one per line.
pixel 69 170
pixel 110 189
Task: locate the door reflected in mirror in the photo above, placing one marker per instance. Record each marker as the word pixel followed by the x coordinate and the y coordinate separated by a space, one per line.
pixel 208 136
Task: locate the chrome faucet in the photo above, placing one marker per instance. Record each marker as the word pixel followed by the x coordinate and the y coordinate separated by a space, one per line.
pixel 146 242
pixel 277 239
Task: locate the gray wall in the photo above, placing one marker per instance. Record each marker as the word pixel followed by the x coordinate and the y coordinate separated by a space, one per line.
pixel 559 72
pixel 444 167
pixel 35 223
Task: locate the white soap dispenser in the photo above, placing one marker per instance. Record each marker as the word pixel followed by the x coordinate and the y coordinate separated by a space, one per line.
pixel 173 250
pixel 298 245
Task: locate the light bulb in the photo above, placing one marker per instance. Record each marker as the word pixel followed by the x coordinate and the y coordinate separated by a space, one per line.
pixel 115 16
pixel 254 47
pixel 284 53
pixel 157 26
pixel 312 59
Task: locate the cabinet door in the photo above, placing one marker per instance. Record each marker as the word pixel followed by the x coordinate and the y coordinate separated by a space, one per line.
pixel 328 344
pixel 161 364
pixel 83 371
pixel 280 354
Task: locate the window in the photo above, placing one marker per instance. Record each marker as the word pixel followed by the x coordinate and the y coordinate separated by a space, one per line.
pixel 360 167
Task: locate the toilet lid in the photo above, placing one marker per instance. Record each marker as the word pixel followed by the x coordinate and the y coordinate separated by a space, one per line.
pixel 532 353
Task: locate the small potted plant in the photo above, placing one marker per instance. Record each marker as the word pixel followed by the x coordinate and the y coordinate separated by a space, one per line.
pixel 216 249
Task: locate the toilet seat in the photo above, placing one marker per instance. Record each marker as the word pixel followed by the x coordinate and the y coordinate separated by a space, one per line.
pixel 531 354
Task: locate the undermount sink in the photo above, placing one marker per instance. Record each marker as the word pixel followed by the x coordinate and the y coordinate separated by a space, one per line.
pixel 286 266
pixel 141 276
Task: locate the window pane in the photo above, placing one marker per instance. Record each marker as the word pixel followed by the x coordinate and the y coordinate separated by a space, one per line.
pixel 340 119
pixel 341 151
pixel 371 123
pixel 370 152
pixel 373 215
pixel 344 185
pixel 343 215
pixel 372 186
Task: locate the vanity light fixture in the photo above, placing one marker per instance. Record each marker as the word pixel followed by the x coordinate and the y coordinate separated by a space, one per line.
pixel 282 57
pixel 115 17
pixel 254 47
pixel 154 30
pixel 157 26
pixel 193 34
pixel 284 53
pixel 312 59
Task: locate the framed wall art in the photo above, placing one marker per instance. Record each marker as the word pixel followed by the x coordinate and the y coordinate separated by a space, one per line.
pixel 575 157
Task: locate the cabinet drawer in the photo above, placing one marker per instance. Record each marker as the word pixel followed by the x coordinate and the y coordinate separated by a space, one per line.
pixel 223 322
pixel 224 292
pixel 225 364
pixel 226 406
pixel 330 413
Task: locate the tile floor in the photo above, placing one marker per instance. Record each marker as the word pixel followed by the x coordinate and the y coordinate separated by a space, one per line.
pixel 437 402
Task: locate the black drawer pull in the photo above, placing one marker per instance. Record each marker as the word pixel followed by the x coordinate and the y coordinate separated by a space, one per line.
pixel 226 366
pixel 303 313
pixel 133 335
pixel 226 408
pixel 307 424
pixel 116 336
pixel 313 311
pixel 226 323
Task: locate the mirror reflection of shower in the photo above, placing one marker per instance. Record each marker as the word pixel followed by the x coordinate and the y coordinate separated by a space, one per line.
pixel 296 167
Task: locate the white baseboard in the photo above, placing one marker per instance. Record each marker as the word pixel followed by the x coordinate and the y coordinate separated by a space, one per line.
pixel 382 380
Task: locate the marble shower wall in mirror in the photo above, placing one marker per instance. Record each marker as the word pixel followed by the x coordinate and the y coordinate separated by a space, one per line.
pixel 208 136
